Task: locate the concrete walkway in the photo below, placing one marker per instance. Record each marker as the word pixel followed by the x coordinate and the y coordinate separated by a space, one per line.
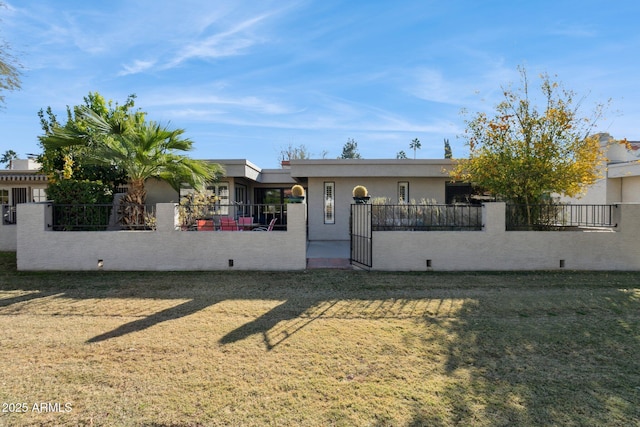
pixel 328 254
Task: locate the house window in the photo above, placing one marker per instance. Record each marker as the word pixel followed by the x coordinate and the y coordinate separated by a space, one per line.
pixel 221 190
pixel 403 192
pixel 4 196
pixel 39 195
pixel 329 204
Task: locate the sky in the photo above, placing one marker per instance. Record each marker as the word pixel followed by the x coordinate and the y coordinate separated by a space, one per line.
pixel 249 78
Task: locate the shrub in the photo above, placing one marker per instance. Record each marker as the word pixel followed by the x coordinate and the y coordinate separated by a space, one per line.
pixel 297 190
pixel 84 204
pixel 360 191
pixel 70 191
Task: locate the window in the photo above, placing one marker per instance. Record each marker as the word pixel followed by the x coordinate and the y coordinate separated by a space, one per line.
pixel 403 192
pixel 221 190
pixel 39 195
pixel 329 207
pixel 19 195
pixel 4 196
pixel 241 194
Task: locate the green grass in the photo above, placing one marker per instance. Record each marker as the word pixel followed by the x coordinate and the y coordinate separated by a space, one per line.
pixel 320 348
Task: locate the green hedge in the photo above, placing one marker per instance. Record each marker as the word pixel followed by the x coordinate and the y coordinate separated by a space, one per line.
pixel 72 192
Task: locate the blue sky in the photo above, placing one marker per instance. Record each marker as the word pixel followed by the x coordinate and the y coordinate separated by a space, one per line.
pixel 248 78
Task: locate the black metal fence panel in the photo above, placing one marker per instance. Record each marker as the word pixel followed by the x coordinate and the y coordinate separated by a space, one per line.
pixel 102 217
pixel 558 217
pixel 361 235
pixel 431 217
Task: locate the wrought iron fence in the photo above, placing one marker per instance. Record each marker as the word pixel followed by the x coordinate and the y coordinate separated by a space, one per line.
pixel 8 214
pixel 550 217
pixel 207 216
pixel 429 217
pixel 101 217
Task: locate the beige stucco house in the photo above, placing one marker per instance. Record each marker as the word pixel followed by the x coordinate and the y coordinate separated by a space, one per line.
pixel 328 185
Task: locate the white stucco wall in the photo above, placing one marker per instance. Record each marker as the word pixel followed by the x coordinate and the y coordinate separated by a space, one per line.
pixel 163 249
pixel 497 249
pixel 630 189
pixel 8 237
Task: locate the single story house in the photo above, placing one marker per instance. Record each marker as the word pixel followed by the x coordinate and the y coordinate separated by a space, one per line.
pixel 328 185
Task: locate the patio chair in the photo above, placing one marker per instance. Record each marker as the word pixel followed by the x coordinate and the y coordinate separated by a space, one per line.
pixel 228 224
pixel 267 228
pixel 245 222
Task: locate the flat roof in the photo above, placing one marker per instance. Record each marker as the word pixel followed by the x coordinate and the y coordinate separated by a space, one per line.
pixel 426 168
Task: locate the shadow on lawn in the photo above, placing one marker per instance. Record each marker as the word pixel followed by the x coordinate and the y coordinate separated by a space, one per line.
pixel 6 302
pixel 520 353
pixel 561 359
pixel 171 313
pixel 266 324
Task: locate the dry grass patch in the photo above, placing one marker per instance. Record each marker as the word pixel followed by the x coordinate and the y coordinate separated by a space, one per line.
pixel 320 348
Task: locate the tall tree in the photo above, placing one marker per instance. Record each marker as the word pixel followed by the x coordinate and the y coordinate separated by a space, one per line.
pixel 142 149
pixel 415 145
pixel 448 154
pixel 401 155
pixel 350 150
pixel 66 161
pixel 10 69
pixel 525 152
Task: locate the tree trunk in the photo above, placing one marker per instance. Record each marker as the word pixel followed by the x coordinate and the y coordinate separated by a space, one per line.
pixel 132 205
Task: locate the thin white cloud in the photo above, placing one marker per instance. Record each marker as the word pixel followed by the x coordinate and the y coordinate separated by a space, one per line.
pixel 227 43
pixel 243 102
pixel 573 31
pixel 138 66
pixel 325 113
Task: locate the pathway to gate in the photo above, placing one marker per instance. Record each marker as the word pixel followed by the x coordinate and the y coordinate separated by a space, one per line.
pixel 328 254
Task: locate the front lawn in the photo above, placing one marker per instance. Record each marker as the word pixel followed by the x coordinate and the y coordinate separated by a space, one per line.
pixel 321 348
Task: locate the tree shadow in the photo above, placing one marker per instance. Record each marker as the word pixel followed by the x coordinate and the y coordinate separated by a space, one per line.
pixel 518 351
pixel 171 313
pixel 566 357
pixel 5 302
pixel 266 324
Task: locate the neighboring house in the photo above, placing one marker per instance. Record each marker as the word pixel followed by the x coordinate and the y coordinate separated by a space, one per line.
pixel 20 183
pixel 620 182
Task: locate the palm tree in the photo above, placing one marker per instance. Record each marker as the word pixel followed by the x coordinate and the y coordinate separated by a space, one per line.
pixel 143 150
pixel 415 145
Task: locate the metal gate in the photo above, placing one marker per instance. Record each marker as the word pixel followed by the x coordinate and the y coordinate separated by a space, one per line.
pixel 360 230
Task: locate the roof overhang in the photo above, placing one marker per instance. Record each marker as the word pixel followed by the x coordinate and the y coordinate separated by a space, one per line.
pixel 400 168
pixel 623 170
pixel 239 168
pixel 14 176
